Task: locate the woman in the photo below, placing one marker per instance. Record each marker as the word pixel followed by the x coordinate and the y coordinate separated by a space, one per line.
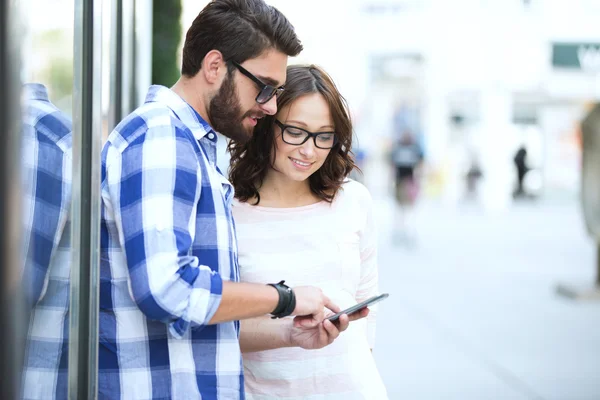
pixel 298 215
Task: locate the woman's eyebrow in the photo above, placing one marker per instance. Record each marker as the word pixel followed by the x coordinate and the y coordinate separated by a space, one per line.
pixel 293 121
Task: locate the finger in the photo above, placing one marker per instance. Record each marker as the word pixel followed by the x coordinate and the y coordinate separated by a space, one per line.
pixel 359 314
pixel 330 304
pixel 332 330
pixel 306 322
pixel 343 322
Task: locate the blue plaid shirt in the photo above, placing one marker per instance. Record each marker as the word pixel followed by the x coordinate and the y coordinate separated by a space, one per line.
pixel 46 177
pixel 167 244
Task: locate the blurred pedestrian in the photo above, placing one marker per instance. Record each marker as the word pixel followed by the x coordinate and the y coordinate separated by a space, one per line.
pixel 520 162
pixel 472 178
pixel 407 159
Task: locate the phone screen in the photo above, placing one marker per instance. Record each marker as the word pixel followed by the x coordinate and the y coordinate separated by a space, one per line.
pixel 359 306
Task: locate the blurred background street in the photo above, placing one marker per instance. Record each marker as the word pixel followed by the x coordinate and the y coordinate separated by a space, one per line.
pixel 473 312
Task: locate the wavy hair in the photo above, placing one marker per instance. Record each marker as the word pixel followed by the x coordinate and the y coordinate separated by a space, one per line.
pixel 251 161
pixel 240 30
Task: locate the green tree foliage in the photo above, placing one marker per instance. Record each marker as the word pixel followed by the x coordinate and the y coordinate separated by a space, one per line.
pixel 166 31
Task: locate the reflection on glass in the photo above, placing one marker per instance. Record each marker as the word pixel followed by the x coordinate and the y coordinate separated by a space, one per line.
pixel 46 166
pixel 46 162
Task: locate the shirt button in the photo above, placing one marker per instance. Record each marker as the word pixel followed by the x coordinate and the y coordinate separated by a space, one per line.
pixel 211 136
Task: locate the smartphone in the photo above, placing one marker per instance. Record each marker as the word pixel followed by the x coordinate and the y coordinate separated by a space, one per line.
pixel 358 307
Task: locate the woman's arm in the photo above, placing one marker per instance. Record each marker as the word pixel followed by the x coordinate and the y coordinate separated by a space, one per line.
pixel 369 277
pixel 264 333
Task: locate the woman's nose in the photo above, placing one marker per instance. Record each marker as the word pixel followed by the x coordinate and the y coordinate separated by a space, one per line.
pixel 308 148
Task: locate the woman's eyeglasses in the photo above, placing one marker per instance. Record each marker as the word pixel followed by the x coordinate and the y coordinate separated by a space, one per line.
pixel 298 136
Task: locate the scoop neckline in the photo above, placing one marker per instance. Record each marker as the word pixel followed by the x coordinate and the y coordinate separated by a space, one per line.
pixel 283 209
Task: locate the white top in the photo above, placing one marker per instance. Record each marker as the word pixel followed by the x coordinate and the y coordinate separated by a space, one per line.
pixel 332 246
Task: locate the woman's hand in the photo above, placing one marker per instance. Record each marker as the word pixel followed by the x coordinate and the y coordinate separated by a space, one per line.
pixel 307 334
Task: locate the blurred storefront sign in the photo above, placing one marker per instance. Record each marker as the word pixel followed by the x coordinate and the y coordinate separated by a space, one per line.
pixel 584 57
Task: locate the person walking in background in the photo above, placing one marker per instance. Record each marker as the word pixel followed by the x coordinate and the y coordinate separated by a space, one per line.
pixel 169 291
pixel 472 178
pixel 520 161
pixel 298 215
pixel 407 158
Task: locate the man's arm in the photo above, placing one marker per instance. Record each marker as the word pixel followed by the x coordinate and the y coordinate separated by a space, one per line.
pixel 241 300
pixel 155 187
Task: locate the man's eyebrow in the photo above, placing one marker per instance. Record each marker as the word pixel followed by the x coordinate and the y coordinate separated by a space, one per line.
pixel 269 81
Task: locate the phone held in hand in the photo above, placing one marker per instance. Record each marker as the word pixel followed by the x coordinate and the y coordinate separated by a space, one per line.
pixel 358 307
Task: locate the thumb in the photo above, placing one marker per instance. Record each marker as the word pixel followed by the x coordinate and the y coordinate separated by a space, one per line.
pixel 306 322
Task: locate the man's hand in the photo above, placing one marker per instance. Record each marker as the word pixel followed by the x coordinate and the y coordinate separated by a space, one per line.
pixel 308 336
pixel 311 304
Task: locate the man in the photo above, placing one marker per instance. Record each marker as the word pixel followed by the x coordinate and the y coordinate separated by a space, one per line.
pixel 169 294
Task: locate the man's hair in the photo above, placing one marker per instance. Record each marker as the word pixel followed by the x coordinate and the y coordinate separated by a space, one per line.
pixel 240 30
pixel 251 161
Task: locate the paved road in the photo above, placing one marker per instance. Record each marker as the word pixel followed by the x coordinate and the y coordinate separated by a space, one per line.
pixel 473 312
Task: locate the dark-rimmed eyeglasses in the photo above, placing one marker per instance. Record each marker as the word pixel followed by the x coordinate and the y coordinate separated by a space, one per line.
pixel 266 92
pixel 297 136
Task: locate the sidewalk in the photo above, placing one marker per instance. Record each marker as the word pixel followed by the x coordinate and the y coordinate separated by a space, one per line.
pixel 473 312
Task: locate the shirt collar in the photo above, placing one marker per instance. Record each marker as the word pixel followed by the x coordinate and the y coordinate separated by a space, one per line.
pixel 35 91
pixel 186 114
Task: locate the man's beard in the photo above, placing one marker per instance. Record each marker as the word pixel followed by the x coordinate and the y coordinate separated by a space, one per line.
pixel 225 114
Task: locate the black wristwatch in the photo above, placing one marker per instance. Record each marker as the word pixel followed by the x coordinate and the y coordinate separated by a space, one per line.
pixel 287 300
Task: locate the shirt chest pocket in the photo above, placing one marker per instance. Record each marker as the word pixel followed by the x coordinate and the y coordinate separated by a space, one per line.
pixel 349 259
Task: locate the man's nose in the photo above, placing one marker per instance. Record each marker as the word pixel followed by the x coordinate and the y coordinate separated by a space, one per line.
pixel 270 107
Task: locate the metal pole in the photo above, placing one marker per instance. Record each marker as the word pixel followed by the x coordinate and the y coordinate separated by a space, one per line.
pixel 87 135
pixel 115 112
pixel 598 265
pixel 131 57
pixel 142 63
pixel 12 309
pixel 127 57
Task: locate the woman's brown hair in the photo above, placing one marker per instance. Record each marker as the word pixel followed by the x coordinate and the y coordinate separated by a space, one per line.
pixel 251 161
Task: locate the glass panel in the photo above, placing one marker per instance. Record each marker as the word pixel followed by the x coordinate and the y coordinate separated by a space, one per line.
pixel 59 168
